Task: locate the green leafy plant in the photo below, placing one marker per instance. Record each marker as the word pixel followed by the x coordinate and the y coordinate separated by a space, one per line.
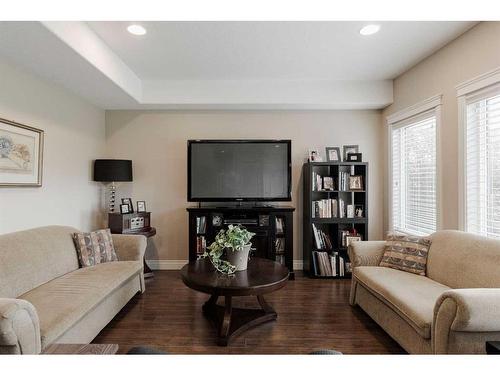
pixel 234 238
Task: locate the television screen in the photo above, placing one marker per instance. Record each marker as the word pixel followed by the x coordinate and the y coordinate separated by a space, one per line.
pixel 239 170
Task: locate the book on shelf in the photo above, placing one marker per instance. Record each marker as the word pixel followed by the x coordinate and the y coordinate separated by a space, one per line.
pixel 201 244
pixel 342 208
pixel 320 183
pixel 322 239
pixel 279 246
pixel 344 181
pixel 324 209
pixel 201 224
pixel 279 225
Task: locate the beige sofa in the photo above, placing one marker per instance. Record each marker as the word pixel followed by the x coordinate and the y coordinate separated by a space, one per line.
pixel 46 298
pixel 455 308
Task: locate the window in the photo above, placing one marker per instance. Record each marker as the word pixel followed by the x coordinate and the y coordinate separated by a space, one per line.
pixel 413 156
pixel 482 163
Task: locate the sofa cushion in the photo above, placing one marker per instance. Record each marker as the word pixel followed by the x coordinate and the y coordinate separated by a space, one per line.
pixel 411 296
pixel 62 302
pixel 406 253
pixel 94 247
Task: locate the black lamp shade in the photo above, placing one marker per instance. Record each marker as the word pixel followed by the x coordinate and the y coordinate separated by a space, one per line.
pixel 112 170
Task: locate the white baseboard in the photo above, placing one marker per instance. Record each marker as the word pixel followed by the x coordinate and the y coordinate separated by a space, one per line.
pixel 164 264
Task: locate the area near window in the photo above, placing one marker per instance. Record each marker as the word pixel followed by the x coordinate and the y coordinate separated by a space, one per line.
pixel 482 162
pixel 413 156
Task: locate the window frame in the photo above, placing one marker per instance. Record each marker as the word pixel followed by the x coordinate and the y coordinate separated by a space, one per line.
pixel 478 88
pixel 405 117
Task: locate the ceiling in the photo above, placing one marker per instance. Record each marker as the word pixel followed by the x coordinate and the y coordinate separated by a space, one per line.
pixel 274 50
pixel 226 65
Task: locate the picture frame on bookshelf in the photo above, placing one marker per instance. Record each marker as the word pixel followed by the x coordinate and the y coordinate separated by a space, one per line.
pixel 314 155
pixel 356 183
pixel 349 149
pixel 359 210
pixel 352 238
pixel 350 211
pixel 355 156
pixel 332 154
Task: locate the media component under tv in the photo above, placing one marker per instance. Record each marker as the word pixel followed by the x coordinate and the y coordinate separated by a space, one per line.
pixel 239 170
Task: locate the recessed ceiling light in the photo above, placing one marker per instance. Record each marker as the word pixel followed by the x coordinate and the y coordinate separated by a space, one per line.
pixel 136 30
pixel 369 29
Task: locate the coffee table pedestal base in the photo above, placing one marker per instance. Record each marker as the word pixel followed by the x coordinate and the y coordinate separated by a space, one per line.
pixel 230 321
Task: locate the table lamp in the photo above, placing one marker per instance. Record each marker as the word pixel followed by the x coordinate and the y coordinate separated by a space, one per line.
pixel 112 170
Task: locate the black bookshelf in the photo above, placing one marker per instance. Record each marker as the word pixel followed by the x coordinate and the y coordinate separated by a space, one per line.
pixel 332 240
pixel 273 228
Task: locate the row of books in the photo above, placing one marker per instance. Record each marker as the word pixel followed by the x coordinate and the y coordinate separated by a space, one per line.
pixel 201 224
pixel 322 239
pixel 325 264
pixel 201 244
pixel 324 208
pixel 344 181
pixel 320 183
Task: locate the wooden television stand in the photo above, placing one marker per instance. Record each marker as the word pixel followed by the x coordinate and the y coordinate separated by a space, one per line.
pixel 273 228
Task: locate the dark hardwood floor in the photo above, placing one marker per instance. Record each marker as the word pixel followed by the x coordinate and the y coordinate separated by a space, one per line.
pixel 312 314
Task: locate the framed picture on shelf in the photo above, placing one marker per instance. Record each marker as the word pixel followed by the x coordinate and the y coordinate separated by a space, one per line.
pixel 355 156
pixel 21 154
pixel 124 208
pixel 352 238
pixel 333 154
pixel 358 210
pixel 349 149
pixel 141 206
pixel 314 156
pixel 128 201
pixel 356 182
pixel 350 211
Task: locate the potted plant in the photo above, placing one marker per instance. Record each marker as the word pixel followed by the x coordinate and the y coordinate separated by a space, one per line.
pixel 232 244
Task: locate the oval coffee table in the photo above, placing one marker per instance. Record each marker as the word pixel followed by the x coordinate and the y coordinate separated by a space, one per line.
pixel 262 276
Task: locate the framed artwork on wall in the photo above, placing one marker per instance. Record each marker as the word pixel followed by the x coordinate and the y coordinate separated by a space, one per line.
pixel 21 154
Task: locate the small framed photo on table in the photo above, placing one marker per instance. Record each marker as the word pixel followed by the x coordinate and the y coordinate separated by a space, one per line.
pixel 333 154
pixel 350 149
pixel 352 238
pixel 124 208
pixel 128 201
pixel 141 206
pixel 355 156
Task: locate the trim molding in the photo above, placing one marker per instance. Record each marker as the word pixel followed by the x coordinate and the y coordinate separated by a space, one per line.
pixel 164 264
pixel 415 109
pixel 479 82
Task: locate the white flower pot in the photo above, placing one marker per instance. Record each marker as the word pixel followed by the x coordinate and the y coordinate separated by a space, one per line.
pixel 239 259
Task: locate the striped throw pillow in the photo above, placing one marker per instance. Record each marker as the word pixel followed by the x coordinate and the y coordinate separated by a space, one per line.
pixel 406 253
pixel 94 247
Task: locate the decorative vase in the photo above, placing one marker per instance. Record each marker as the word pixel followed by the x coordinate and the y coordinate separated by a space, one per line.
pixel 239 258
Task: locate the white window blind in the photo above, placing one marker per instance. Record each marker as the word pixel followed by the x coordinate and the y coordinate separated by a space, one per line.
pixel 482 164
pixel 414 175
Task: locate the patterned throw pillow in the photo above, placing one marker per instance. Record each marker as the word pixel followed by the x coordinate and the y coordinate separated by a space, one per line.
pixel 94 247
pixel 406 253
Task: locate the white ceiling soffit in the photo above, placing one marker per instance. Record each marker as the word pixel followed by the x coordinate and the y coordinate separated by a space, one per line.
pixel 218 65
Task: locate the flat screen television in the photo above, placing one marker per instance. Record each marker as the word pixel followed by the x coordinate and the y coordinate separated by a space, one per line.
pixel 239 170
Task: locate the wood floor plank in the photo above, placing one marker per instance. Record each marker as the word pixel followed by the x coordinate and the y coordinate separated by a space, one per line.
pixel 312 314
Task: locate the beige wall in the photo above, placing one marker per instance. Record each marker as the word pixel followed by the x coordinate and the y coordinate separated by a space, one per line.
pixel 156 142
pixel 74 136
pixel 475 52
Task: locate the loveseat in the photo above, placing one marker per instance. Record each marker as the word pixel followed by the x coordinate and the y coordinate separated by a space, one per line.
pixel 46 298
pixel 455 308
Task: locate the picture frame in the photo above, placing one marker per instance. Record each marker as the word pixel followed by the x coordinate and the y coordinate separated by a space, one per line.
pixel 352 238
pixel 141 206
pixel 124 208
pixel 355 156
pixel 356 183
pixel 349 149
pixel 350 211
pixel 21 155
pixel 314 156
pixel 333 154
pixel 128 201
pixel 359 210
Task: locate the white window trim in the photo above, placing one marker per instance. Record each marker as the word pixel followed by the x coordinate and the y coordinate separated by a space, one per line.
pixel 433 103
pixel 475 86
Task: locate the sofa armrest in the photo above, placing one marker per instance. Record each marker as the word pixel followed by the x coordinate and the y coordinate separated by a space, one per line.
pixel 366 253
pixel 465 310
pixel 129 246
pixel 19 327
